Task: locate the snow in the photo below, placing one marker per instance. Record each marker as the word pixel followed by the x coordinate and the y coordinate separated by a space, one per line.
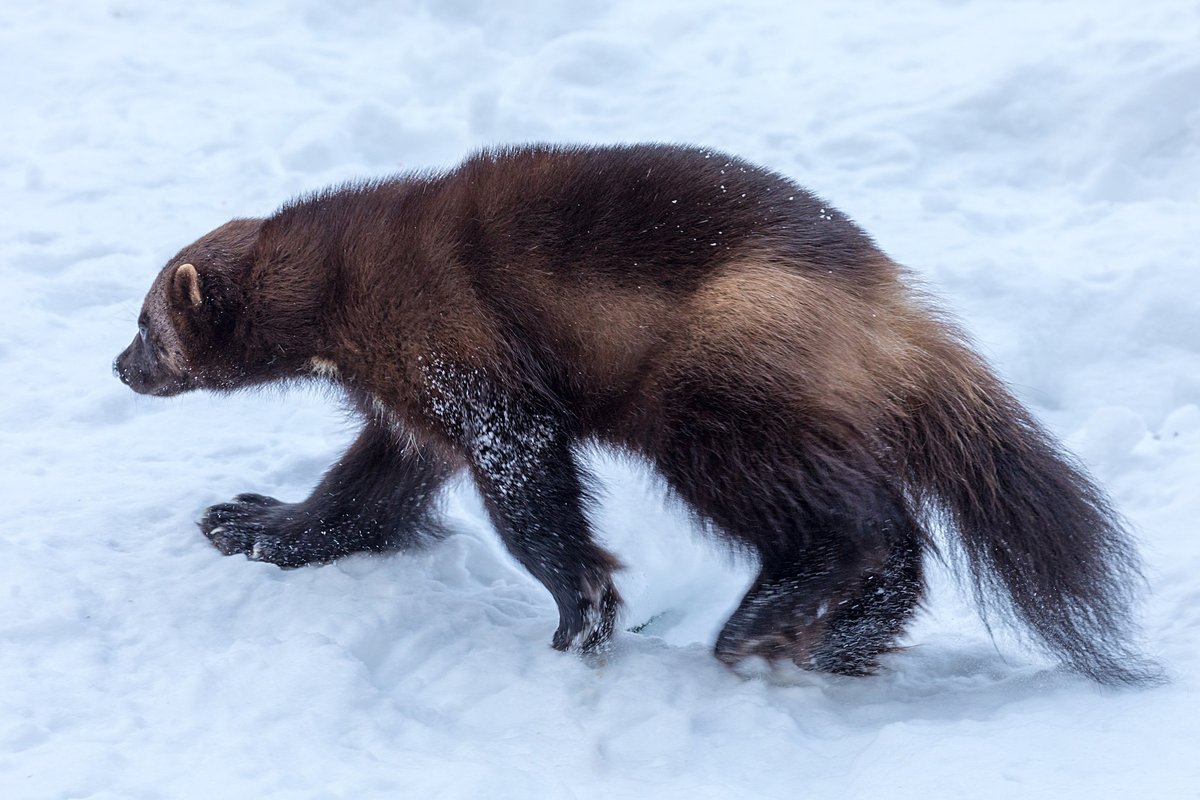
pixel 1037 164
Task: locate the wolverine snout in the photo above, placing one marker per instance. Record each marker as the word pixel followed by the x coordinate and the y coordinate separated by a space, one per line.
pixel 131 374
pixel 138 370
pixel 120 367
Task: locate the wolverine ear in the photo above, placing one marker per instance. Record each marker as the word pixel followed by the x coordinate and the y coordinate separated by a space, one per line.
pixel 187 285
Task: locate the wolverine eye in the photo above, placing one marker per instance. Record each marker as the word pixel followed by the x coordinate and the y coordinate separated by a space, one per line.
pixel 143 331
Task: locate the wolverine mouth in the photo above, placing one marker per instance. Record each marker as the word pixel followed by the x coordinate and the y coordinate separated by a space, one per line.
pixel 148 384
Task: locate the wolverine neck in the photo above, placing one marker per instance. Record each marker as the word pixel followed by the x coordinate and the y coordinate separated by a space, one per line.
pixel 290 297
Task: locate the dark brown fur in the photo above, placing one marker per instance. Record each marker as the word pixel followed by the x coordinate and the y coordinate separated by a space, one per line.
pixel 748 340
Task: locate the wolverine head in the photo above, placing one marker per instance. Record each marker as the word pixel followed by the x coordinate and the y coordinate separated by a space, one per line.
pixel 187 320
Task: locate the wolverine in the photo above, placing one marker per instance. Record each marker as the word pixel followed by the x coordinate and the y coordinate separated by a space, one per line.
pixel 788 381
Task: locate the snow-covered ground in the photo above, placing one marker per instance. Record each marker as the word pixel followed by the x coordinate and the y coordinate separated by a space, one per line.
pixel 1037 163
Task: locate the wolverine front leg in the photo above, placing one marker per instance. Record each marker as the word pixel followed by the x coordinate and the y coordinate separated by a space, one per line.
pixel 378 497
pixel 534 493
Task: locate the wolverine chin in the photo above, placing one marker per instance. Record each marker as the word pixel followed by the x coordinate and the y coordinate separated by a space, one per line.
pixel 169 389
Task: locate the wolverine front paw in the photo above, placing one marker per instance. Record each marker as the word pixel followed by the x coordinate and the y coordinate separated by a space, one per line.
pixel 586 624
pixel 254 525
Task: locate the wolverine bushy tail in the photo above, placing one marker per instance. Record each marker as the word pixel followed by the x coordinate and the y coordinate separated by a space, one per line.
pixel 1040 538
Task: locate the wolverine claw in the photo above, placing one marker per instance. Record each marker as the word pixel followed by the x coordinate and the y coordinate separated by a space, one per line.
pixel 229 542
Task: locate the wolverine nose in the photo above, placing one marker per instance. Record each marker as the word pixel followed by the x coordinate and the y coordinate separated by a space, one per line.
pixel 116 369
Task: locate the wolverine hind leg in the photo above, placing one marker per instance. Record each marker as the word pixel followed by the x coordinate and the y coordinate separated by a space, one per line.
pixel 836 608
pixel 840 552
pixel 872 612
pixel 379 497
